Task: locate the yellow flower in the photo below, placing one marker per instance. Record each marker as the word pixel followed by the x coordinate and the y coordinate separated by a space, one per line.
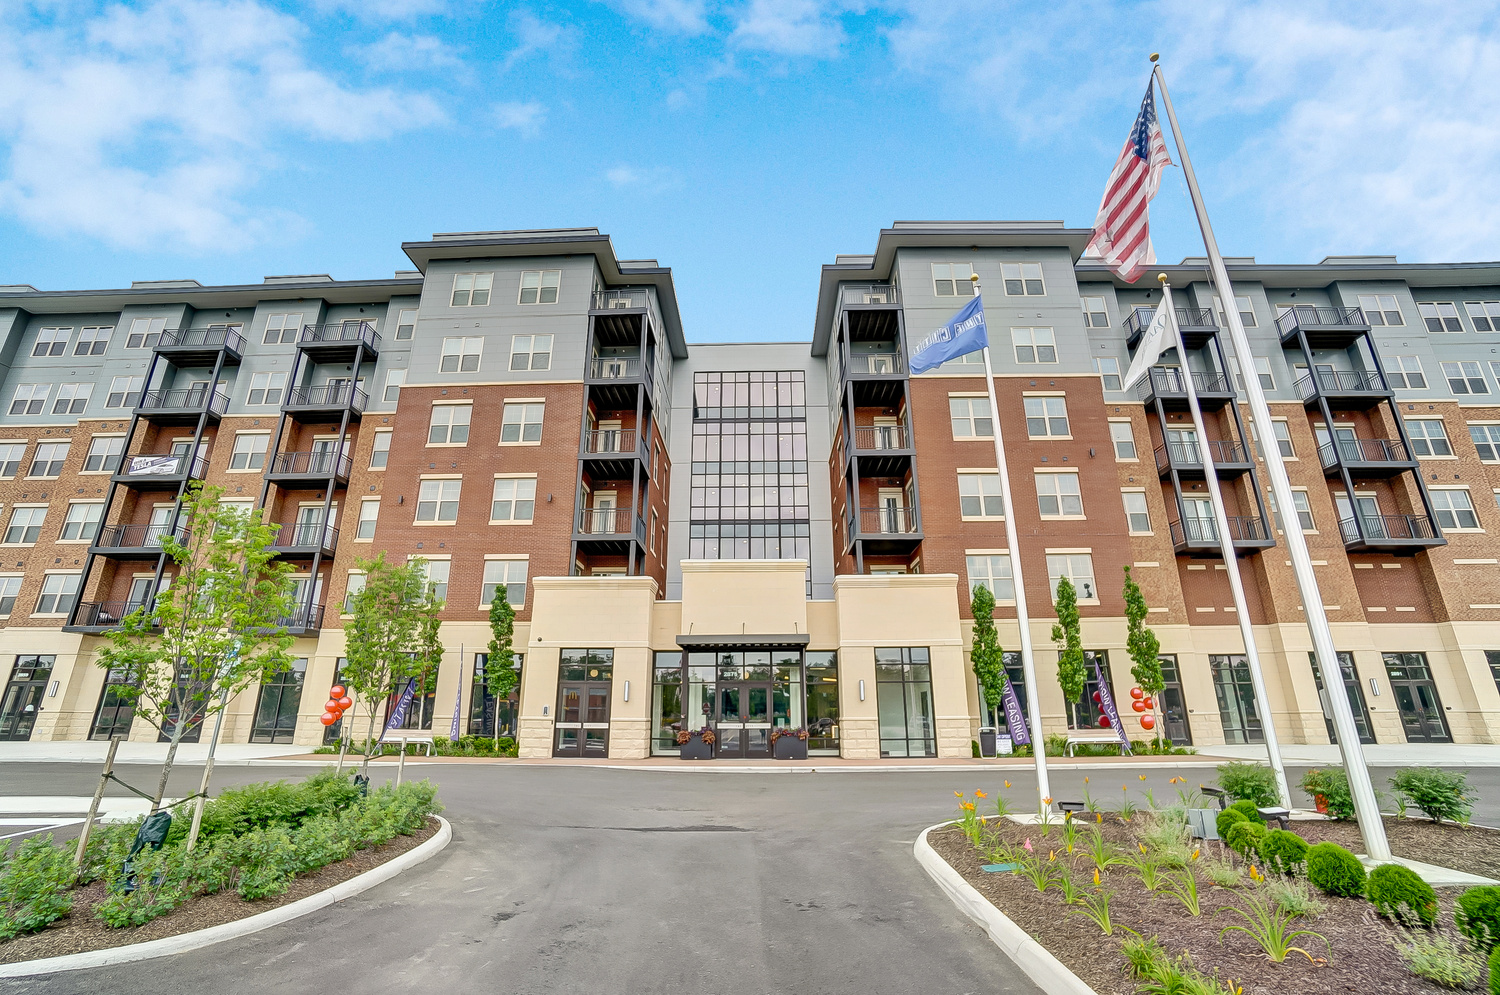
pixel 1047 800
pixel 1007 784
pixel 1096 877
pixel 1142 846
pixel 1098 816
pixel 1085 779
pixel 1195 854
pixel 969 806
pixel 958 794
pixel 1142 777
pixel 1051 855
pixel 980 794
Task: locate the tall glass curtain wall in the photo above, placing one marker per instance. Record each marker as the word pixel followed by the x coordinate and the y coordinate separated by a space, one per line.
pixel 903 699
pixel 749 470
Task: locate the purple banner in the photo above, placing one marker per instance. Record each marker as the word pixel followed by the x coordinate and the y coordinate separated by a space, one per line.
pixel 1015 719
pixel 398 714
pixel 458 704
pixel 1107 706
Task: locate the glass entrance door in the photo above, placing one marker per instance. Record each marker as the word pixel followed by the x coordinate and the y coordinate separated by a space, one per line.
pixel 1356 698
pixel 116 711
pixel 1416 698
pixel 1172 706
pixel 23 696
pixel 276 712
pixel 584 683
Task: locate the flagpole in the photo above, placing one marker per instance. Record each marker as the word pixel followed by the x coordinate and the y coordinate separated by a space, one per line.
pixel 1028 659
pixel 1226 548
pixel 1367 809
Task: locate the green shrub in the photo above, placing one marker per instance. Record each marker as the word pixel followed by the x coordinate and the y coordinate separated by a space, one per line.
pixel 318 843
pixel 1251 782
pixel 1250 810
pixel 1399 894
pixel 106 850
pixel 160 887
pixel 35 886
pixel 1283 851
pixel 1333 785
pixel 1292 896
pixel 210 867
pixel 1227 819
pixel 1441 961
pixel 1495 971
pixel 267 861
pixel 1245 838
pixel 1335 870
pixel 257 806
pixel 1440 794
pixel 1477 916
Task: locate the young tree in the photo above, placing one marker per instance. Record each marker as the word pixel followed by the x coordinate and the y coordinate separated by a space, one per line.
pixel 500 677
pixel 1069 639
pixel 392 637
pixel 217 630
pixel 987 657
pixel 1143 646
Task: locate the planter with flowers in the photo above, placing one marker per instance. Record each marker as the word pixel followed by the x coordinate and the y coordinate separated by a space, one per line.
pixel 789 744
pixel 696 744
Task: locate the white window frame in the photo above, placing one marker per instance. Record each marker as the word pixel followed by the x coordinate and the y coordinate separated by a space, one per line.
pixel 376 450
pixel 1126 496
pixel 1404 368
pixel 129 396
pixel 1484 315
pixel 72 398
pixel 270 385
pixel 1022 279
pixel 1066 564
pixel 527 346
pixel 31 398
pixel 1281 431
pixel 952 280
pixel 10 590
pixel 1425 439
pixel 51 340
pixel 1434 490
pixel 71 519
pixel 1380 315
pixel 990 560
pixel 536 283
pixel 286 325
pixel 1037 339
pixel 971 486
pixel 1115 442
pixel 351 591
pixel 145 333
pixel 972 419
pixel 461 354
pixel 1108 368
pixel 406 321
pixel 1459 371
pixel 1089 314
pixel 52 446
pixel 33 520
pixel 489 582
pixel 93 340
pixel 250 452
pixel 394 381
pixel 439 573
pixel 12 458
pixel 1243 305
pixel 369 512
pixel 103 457
pixel 1433 312
pixel 64 597
pixel 522 491
pixel 514 414
pixel 1042 408
pixel 472 289
pixel 445 416
pixel 1058 493
pixel 1492 441
pixel 436 493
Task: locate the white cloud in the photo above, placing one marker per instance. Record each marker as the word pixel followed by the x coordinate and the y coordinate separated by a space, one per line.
pixel 650 180
pixel 524 117
pixel 146 126
pixel 791 27
pixel 397 52
pixel 384 10
pixel 688 17
pixel 535 36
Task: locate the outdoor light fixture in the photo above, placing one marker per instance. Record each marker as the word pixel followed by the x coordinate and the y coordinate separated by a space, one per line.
pixel 1374 688
pixel 544 711
pixel 627 690
pixel 861 690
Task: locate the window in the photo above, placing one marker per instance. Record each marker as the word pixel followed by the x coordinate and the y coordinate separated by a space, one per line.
pixel 437 578
pixel 1022 279
pixel 72 398
pixel 540 286
pixel 1487 441
pixel 1242 305
pixel 93 340
pixel 514 500
pixel 82 522
pixel 11 454
pixel 992 571
pixel 406 323
pixel 531 352
pixel 369 514
pixel 449 425
pixel 266 388
pixel 51 342
pixel 979 496
pixel 1454 509
pixel 971 417
pixel 124 392
pixel 511 573
pixel 1304 511
pixel 472 289
pixel 282 328
pixel 1428 437
pixel 104 454
pixel 49 459
pixel 1034 345
pixel 1381 309
pixel 1405 373
pixel 521 423
pixel 393 381
pixel 1047 417
pixel 1236 694
pixel 351 590
pixel 903 699
pixel 1484 314
pixel 25 525
pixel 1263 370
pixel 461 355
pixel 145 333
pixel 1136 513
pixel 1078 568
pixel 1094 313
pixel 249 451
pixel 1123 436
pixel 380 453
pixel 1057 495
pixel 1463 378
pixel 1283 433
pixel 1440 317
pixel 952 280
pixel 10 587
pixel 1108 368
pixel 58 592
pixel 438 501
pixel 30 398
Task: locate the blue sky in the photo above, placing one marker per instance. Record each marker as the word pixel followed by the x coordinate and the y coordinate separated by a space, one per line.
pixel 742 143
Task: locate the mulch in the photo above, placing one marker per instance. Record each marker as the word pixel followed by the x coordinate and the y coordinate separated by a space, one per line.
pixel 1362 957
pixel 1472 849
pixel 79 931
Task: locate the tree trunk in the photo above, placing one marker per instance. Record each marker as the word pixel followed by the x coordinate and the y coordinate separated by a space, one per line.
pixel 166 767
pixel 364 767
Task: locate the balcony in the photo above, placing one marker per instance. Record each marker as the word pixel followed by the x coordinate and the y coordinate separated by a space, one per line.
pixel 1366 457
pixel 1230 459
pixel 610 523
pixel 1323 327
pixel 291 469
pixel 182 405
pixel 306 618
pixel 610 453
pixel 304 541
pixel 871 312
pixel 880 438
pixel 615 368
pixel 325 403
pixel 1389 533
pixel 161 471
pixel 1168 385
pixel 876 364
pixel 888 522
pixel 136 542
pixel 1196 324
pixel 869 295
pixel 339 341
pixel 1348 390
pixel 1200 536
pixel 101 616
pixel 883 450
pixel 621 300
pixel 187 347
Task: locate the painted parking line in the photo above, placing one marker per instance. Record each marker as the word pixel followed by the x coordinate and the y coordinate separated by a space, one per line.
pixel 36 826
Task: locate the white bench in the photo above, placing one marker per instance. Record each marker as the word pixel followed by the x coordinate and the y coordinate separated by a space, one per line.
pixel 419 740
pixel 1090 739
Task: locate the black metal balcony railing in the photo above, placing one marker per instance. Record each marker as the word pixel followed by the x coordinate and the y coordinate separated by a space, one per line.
pixel 1185 454
pixel 880 437
pixel 607 522
pixel 165 465
pixel 1363 451
pixel 182 400
pixel 1172 382
pixel 887 521
pixel 610 440
pixel 1204 530
pixel 219 337
pixel 1140 319
pixel 876 363
pixel 304 617
pixel 340 333
pixel 1306 315
pixel 97 614
pixel 1340 382
pixel 1377 528
pixel 615 368
pixel 138 536
pixel 319 464
pixel 307 536
pixel 624 300
pixel 870 293
pixel 333 395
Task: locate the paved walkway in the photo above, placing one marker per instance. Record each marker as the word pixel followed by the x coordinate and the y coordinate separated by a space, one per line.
pixel 140 753
pixel 1378 754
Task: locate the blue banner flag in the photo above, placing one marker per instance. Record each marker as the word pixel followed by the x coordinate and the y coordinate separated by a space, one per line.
pixel 963 334
pixel 398 714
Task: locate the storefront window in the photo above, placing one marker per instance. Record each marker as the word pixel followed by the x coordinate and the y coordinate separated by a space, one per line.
pixel 822 704
pixel 666 703
pixel 482 711
pixel 903 696
pixel 1085 712
pixel 787 698
pixel 1236 694
pixel 995 717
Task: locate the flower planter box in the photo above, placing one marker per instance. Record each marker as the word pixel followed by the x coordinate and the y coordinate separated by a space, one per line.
pixel 1321 803
pixel 696 749
pixel 790 748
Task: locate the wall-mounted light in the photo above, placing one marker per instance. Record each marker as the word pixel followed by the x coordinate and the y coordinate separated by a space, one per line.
pixel 861 690
pixel 627 690
pixel 1374 687
pixel 52 689
pixel 544 711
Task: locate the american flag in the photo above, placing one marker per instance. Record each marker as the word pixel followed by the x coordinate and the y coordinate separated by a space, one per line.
pixel 1122 230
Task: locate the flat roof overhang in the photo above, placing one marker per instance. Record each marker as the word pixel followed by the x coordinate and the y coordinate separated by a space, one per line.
pixel 744 641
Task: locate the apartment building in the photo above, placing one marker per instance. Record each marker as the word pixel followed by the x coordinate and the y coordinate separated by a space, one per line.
pixel 768 537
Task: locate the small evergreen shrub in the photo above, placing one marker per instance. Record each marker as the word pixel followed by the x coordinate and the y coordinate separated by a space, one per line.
pixel 1440 794
pixel 1399 894
pixel 1226 821
pixel 1335 870
pixel 1283 851
pixel 1250 810
pixel 35 886
pixel 1245 838
pixel 1477 916
pixel 1495 971
pixel 1250 782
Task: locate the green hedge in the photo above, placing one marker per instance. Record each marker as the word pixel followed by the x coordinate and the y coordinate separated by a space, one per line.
pixel 1398 893
pixel 1335 870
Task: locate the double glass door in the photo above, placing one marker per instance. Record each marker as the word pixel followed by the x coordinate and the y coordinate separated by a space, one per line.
pixel 1416 698
pixel 23 696
pixel 276 712
pixel 742 720
pixel 585 679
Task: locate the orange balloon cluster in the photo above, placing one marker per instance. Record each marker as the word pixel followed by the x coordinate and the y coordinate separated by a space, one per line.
pixel 338 703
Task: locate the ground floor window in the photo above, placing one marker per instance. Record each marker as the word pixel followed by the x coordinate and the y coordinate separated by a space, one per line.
pixel 903 698
pixel 1171 705
pixel 1085 713
pixel 666 703
pixel 332 734
pixel 486 718
pixel 1493 658
pixel 1236 693
pixel 23 696
pixel 116 711
pixel 424 700
pixel 192 704
pixel 1016 674
pixel 822 704
pixel 1356 698
pixel 276 710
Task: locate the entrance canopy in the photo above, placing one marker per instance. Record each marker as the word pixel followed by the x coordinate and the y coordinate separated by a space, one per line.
pixel 744 641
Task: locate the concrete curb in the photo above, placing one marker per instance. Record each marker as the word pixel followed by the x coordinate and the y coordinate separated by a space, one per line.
pixel 1046 971
pixel 169 945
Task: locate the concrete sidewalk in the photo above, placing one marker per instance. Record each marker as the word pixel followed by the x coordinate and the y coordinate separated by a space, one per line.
pixel 1376 754
pixel 142 753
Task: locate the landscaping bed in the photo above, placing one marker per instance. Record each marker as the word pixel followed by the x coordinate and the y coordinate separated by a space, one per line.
pixel 1464 848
